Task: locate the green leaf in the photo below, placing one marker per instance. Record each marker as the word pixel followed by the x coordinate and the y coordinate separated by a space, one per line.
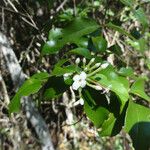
pixel 127 72
pixel 113 125
pixel 52 47
pixel 100 44
pixel 54 88
pixel 55 33
pixel 108 125
pixel 138 89
pixel 70 34
pixel 41 76
pixel 15 105
pixel 81 42
pixel 78 28
pixel 61 62
pixel 141 17
pixel 59 71
pixel 110 80
pixel 137 123
pixel 116 87
pixel 119 29
pixel 29 87
pixel 96 115
pixel 81 51
pixel 140 45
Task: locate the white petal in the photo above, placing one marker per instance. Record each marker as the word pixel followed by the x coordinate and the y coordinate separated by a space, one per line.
pixel 81 101
pixel 83 75
pixel 75 85
pixel 51 43
pixel 76 77
pixel 82 83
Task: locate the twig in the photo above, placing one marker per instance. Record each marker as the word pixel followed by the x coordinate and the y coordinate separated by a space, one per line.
pixel 12 5
pixel 4 90
pixel 12 11
pixel 61 6
pixel 3 20
pixel 32 23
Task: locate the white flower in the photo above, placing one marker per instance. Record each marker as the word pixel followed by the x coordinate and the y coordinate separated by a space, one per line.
pixel 79 81
pixel 81 101
pixel 51 43
pixel 105 65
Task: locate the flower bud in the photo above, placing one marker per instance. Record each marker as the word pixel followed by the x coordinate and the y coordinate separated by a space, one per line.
pixel 84 60
pixel 92 60
pixel 98 87
pixel 77 61
pixel 105 65
pixel 97 64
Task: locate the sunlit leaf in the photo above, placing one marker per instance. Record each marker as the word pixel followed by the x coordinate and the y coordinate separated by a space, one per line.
pixel 138 89
pixel 29 87
pixel 70 34
pixel 100 44
pixel 137 123
pixel 81 51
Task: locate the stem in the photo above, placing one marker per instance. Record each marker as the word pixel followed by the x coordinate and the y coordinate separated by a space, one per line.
pixel 94 72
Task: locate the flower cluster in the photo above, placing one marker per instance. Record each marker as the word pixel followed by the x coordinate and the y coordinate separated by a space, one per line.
pixel 79 81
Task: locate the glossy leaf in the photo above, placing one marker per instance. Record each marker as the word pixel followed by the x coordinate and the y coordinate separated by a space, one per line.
pixel 78 28
pixel 55 33
pixel 137 123
pixel 54 88
pixel 81 51
pixel 70 34
pixel 59 71
pixel 81 42
pixel 141 17
pixel 97 115
pixel 138 89
pixel 52 47
pixel 29 87
pixel 127 72
pixel 100 44
pixel 110 80
pixel 108 125
pixel 61 62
